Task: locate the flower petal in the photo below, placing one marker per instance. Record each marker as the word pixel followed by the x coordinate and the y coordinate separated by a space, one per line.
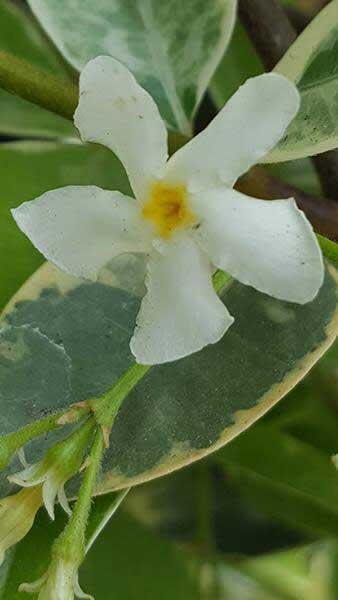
pixel 49 493
pixel 81 228
pixel 269 245
pixel 246 129
pixel 180 313
pixel 63 500
pixel 114 110
pixel 28 477
pixel 22 457
pixel 34 587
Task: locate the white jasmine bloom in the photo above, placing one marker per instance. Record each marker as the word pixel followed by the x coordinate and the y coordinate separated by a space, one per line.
pixel 59 583
pixel 52 477
pixel 17 514
pixel 186 217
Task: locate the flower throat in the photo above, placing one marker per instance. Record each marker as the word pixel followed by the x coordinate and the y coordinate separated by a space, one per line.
pixel 167 208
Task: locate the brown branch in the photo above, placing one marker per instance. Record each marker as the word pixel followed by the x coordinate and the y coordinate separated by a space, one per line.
pixel 272 34
pixel 298 19
pixel 269 29
pixel 327 168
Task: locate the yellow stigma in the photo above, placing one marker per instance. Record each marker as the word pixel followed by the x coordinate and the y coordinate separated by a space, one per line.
pixel 167 208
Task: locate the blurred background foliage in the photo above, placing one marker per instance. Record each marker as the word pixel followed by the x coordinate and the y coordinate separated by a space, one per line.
pixel 258 520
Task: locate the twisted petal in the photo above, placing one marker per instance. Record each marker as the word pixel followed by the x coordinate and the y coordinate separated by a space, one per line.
pixel 49 493
pixel 63 500
pixel 246 129
pixel 34 587
pixel 269 245
pixel 79 593
pixel 80 229
pixel 22 457
pixel 30 476
pixel 115 111
pixel 181 313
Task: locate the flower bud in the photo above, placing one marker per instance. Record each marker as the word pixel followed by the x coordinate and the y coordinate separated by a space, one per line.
pixel 60 464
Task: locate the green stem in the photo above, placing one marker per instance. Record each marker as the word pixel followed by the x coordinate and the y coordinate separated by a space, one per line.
pixel 72 540
pixel 82 506
pixel 105 517
pixel 40 87
pixel 107 406
pixel 12 442
pixel 23 79
pixel 105 410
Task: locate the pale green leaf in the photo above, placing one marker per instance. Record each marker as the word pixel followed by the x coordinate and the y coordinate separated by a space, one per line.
pixel 172 47
pixel 312 63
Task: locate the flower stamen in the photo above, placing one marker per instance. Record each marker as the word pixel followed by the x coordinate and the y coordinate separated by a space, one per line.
pixel 167 208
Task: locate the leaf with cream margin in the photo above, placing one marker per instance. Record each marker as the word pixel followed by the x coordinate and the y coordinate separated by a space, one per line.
pixel 171 47
pixel 181 411
pixel 312 63
pixel 21 36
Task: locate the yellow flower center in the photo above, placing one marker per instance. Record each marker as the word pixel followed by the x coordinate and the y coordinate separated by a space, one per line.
pixel 167 208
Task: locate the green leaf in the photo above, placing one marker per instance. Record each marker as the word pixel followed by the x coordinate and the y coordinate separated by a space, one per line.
pixel 172 47
pixel 21 36
pixel 329 248
pixel 324 571
pixel 179 412
pixel 27 169
pixel 309 572
pixel 126 561
pixel 287 573
pixel 298 173
pixel 289 479
pixel 312 63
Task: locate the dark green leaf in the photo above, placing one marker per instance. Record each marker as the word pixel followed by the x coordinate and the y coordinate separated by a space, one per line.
pixel 290 479
pixel 21 36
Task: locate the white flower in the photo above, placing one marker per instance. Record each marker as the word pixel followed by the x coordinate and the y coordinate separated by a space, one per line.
pixel 59 583
pixel 187 216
